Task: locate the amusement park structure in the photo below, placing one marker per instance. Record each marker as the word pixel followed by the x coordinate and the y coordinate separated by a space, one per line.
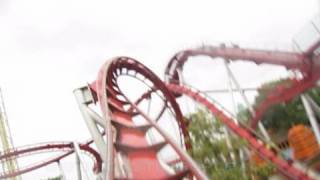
pixel 132 141
pixel 8 164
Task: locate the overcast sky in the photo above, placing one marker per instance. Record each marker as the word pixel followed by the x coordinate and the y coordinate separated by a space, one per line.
pixel 49 48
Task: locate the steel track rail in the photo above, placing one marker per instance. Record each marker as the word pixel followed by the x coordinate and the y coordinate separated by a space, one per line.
pixel 285 168
pixel 140 160
pixel 66 147
pixel 307 64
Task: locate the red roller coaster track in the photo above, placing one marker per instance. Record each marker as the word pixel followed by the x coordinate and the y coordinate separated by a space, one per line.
pixel 127 140
pixel 306 63
pixel 130 141
pixel 286 168
pixel 66 147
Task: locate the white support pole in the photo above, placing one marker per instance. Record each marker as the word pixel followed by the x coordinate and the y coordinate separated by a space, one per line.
pixel 213 159
pixel 226 133
pixel 96 117
pixel 311 116
pixel 260 125
pixel 309 171
pixel 105 148
pixel 83 100
pixel 120 166
pixel 264 132
pixel 63 176
pixel 225 128
pixel 242 160
pixel 223 158
pixel 230 89
pixel 229 144
pixel 313 105
pixel 239 89
pixel 78 167
pixel 81 161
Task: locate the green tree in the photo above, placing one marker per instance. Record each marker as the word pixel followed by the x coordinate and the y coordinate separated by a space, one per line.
pixel 281 117
pixel 209 144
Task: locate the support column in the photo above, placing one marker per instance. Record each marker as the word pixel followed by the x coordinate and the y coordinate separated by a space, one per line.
pixel 105 147
pixel 78 167
pixel 315 107
pixel 83 99
pixel 81 161
pixel 230 88
pixel 63 176
pixel 260 125
pixel 311 116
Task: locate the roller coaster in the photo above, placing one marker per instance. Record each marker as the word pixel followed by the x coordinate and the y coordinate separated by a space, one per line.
pixel 132 141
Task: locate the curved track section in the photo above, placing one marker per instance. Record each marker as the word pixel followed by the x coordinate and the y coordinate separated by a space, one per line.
pixel 65 147
pixel 287 59
pixel 284 167
pixel 307 64
pixel 130 153
pixel 282 93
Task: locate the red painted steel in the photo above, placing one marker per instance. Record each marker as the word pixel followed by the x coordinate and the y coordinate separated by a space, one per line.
pixel 284 167
pixel 281 93
pixel 130 140
pixel 306 63
pixel 141 157
pixel 287 59
pixel 66 147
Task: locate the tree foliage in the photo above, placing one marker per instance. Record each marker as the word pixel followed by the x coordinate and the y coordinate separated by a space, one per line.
pixel 209 145
pixel 284 115
pixel 208 139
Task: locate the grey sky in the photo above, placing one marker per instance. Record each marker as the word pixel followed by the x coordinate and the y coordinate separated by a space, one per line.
pixel 49 48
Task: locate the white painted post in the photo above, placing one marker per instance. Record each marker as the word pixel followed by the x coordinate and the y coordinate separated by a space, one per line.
pixel 81 161
pixel 260 125
pixel 230 89
pixel 83 100
pixel 313 105
pixel 78 167
pixel 312 118
pixel 63 176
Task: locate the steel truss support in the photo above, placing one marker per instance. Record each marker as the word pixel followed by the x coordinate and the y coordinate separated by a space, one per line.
pixel 231 80
pixel 128 152
pixel 66 147
pixel 252 112
pixel 92 119
pixel 183 155
pixel 314 105
pixel 63 176
pixel 8 165
pixel 310 113
pixel 288 169
pixel 234 111
pixel 78 165
pixel 81 162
